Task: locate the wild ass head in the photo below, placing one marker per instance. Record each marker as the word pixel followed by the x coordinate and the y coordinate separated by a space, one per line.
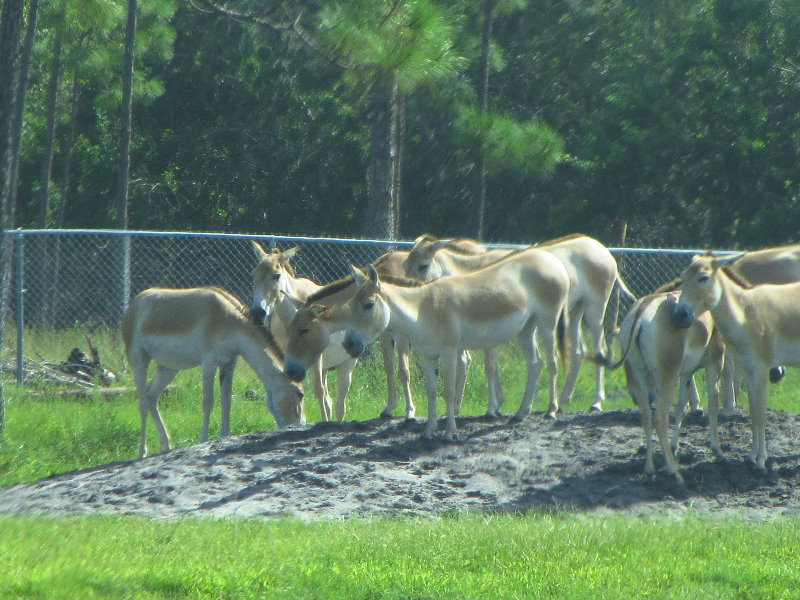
pixel 701 289
pixel 285 402
pixel 419 263
pixel 308 335
pixel 367 312
pixel 269 277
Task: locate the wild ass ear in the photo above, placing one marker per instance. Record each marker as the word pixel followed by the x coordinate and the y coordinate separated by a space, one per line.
pixel 440 244
pixel 724 261
pixel 258 250
pixel 288 255
pixel 373 277
pixel 293 299
pixel 358 276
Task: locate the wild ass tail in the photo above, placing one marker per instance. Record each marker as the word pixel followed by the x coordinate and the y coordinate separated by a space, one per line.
pixel 624 288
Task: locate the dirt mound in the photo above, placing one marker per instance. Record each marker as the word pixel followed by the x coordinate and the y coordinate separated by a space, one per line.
pixel 581 462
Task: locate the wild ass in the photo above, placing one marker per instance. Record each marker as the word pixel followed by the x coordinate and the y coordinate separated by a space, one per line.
pixel 181 329
pixel 522 296
pixel 431 258
pixel 592 271
pixel 777 265
pixel 661 358
pixel 308 335
pixel 276 291
pixel 760 324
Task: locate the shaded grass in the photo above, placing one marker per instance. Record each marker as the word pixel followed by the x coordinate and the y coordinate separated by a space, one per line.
pixel 533 556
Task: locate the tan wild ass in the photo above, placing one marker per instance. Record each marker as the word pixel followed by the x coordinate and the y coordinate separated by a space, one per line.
pixel 309 334
pixel 431 258
pixel 592 271
pixel 276 291
pixel 521 296
pixel 181 329
pixel 277 295
pixel 760 324
pixel 780 264
pixel 661 358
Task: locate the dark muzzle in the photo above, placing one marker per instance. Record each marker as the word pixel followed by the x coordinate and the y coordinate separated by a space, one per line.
pixel 354 347
pixel 682 317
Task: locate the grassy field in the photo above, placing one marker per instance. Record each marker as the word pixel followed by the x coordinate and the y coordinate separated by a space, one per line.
pixel 530 556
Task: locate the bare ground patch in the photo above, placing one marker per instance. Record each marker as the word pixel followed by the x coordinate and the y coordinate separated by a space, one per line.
pixel 581 462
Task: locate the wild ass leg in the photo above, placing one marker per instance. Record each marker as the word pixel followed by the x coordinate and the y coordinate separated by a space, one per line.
pixel 225 393
pixel 638 391
pixel 344 377
pixel 452 367
pixel 599 336
pixel 462 365
pixel 148 403
pixel 713 376
pixel 691 395
pixel 493 377
pixel 429 365
pixel 729 384
pixel 319 381
pixel 665 394
pixel 209 370
pixel 757 392
pixel 685 386
pixel 534 364
pixel 577 350
pixel 388 346
pixel 403 349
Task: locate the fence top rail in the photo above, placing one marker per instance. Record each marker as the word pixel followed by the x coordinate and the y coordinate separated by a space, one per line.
pixel 306 239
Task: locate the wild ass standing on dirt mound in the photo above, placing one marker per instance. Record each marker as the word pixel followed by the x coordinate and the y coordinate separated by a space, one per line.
pixel 760 324
pixel 276 290
pixel 777 265
pixel 592 271
pixel 209 327
pixel 309 335
pixel 661 358
pixel 277 296
pixel 521 296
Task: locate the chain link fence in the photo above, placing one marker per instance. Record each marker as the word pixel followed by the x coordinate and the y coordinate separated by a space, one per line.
pixel 65 278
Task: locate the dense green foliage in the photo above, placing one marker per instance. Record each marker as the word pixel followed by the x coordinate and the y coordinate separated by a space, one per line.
pixel 679 117
pixel 533 556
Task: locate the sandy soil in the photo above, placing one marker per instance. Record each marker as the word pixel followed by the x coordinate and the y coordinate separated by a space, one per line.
pixel 581 462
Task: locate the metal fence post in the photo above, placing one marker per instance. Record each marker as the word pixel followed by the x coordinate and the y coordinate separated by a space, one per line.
pixel 20 304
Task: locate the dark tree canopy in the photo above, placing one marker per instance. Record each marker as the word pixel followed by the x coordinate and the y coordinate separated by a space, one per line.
pixel 681 118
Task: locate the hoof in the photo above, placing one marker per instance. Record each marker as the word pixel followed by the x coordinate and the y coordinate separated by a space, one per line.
pixel 517 418
pixel 551 415
pixel 597 407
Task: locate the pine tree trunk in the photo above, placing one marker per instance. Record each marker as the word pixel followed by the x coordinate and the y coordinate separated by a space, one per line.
pixel 380 221
pixel 22 89
pixel 50 129
pixel 125 155
pixel 10 33
pixel 483 98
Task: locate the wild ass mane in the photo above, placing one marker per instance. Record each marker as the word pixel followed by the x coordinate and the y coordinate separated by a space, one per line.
pixel 271 343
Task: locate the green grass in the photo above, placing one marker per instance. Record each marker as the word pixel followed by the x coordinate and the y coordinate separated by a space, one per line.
pixel 533 556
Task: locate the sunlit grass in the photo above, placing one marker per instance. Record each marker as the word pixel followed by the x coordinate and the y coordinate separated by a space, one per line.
pixel 533 556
